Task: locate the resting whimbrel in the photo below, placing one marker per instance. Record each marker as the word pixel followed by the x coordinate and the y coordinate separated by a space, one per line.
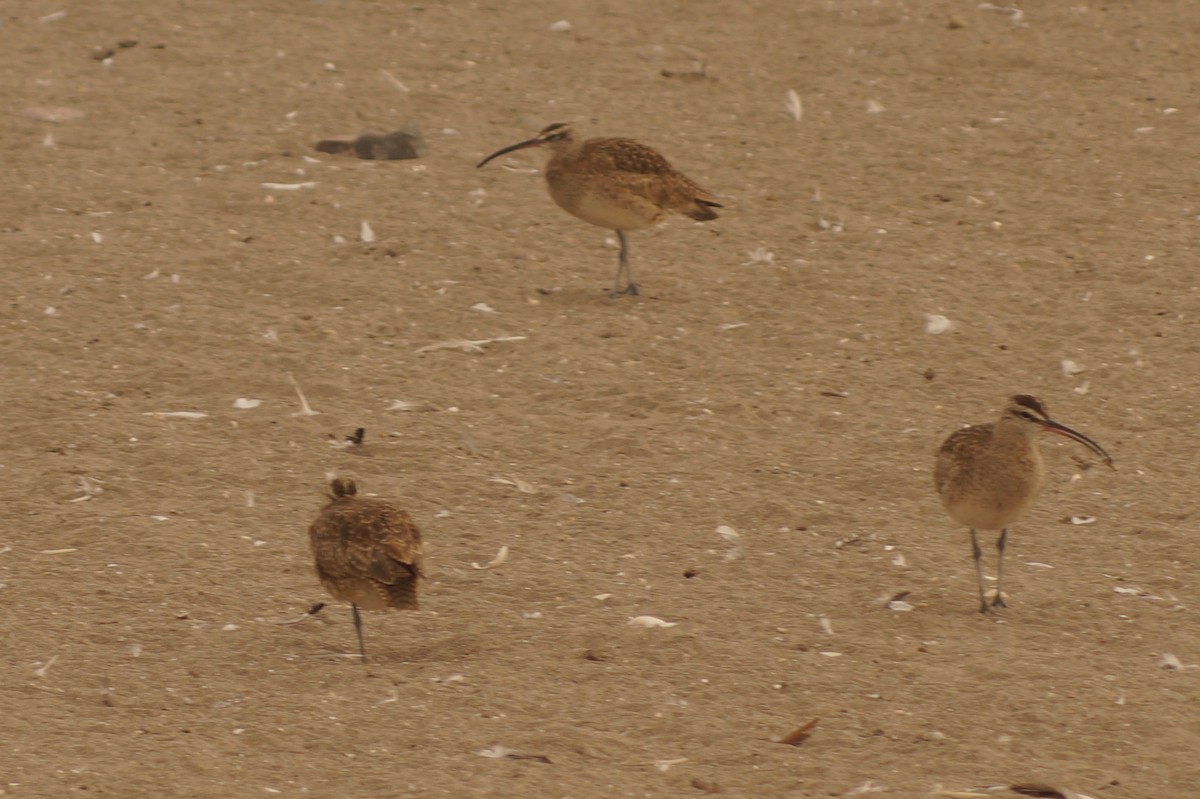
pixel 619 184
pixel 989 475
pixel 367 553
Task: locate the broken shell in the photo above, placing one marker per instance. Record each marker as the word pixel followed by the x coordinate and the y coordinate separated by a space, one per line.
pixel 650 621
pixel 501 557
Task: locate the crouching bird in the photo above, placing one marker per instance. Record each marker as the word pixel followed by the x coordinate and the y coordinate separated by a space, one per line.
pixel 367 552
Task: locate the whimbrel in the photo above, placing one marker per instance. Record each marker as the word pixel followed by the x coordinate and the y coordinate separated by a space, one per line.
pixel 367 553
pixel 989 475
pixel 619 184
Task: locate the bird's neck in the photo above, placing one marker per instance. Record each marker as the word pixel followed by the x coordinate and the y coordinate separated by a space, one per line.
pixel 1016 438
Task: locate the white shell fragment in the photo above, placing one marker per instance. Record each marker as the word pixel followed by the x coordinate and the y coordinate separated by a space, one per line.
pixel 936 324
pixel 791 101
pixel 89 486
pixel 516 482
pixel 1014 14
pixel 650 621
pixel 1082 520
pixel 467 345
pixel 366 233
pixel 305 408
pixel 760 255
pixel 1070 368
pixel 562 26
pixel 42 670
pixel 734 539
pixel 244 404
pixel 1170 662
pixel 176 414
pixel 407 405
pixel 289 186
pixel 501 557
pixel 496 751
pixel 396 82
pixel 1133 590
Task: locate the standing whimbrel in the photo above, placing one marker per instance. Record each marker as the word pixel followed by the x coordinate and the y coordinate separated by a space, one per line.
pixel 989 475
pixel 619 184
pixel 367 552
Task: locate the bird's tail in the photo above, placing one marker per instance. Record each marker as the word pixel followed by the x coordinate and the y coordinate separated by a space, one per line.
pixel 702 210
pixel 402 594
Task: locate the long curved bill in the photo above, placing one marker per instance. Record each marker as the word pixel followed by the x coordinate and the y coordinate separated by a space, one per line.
pixel 1063 430
pixel 521 145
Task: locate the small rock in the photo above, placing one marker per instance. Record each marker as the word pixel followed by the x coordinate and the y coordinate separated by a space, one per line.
pixel 336 145
pixel 395 146
pixel 398 145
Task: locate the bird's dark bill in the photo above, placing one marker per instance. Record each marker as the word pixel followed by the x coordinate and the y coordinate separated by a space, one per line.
pixel 1063 430
pixel 521 145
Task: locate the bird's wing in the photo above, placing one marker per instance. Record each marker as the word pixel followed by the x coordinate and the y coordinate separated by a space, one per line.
pixel 366 538
pixel 627 155
pixel 957 454
pixel 396 536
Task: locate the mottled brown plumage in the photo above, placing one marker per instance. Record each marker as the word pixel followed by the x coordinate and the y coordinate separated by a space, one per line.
pixel 367 552
pixel 619 184
pixel 989 475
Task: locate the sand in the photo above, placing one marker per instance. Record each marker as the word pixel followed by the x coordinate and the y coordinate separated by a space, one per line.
pixel 1030 179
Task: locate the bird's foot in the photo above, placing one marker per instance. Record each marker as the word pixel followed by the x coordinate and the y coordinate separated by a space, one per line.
pixel 997 599
pixel 993 599
pixel 631 290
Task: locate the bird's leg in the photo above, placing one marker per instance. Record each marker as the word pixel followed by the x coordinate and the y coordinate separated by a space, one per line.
pixel 623 268
pixel 977 553
pixel 998 602
pixel 362 649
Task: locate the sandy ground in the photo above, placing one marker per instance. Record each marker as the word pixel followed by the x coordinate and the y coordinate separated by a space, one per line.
pixel 1032 179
